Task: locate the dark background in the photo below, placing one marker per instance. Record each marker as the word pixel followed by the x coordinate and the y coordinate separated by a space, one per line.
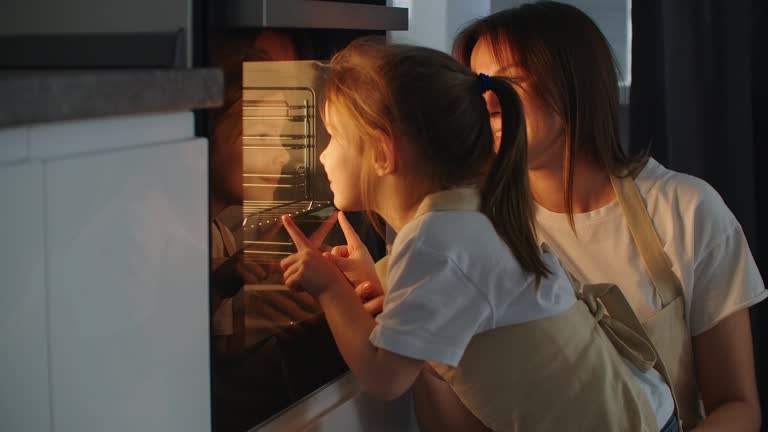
pixel 697 98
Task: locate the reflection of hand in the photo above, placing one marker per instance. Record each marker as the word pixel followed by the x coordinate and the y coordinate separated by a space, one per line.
pixel 229 274
pixel 282 309
pixel 322 231
pixel 308 269
pixel 353 259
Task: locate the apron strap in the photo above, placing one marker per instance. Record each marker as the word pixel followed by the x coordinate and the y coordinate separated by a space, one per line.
pixel 626 335
pixel 610 297
pixel 666 282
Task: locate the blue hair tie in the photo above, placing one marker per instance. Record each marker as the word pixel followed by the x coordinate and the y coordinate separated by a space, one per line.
pixel 485 82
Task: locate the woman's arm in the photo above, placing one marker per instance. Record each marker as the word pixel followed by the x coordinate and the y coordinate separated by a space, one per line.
pixel 726 375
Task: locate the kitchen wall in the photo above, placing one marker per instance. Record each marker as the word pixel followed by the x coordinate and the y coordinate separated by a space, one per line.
pixel 434 23
pixel 611 16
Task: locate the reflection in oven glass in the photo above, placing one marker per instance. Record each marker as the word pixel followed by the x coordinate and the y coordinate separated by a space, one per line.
pixel 270 347
pixel 280 348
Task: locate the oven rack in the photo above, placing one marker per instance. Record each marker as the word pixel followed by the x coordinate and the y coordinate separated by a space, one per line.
pixel 261 245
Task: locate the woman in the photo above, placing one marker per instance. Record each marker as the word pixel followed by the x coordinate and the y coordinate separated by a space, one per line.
pixel 565 71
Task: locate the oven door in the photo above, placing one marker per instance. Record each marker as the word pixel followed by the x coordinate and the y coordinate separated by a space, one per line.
pixel 275 366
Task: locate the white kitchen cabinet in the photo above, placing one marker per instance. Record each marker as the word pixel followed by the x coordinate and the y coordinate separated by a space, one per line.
pixel 24 397
pixel 103 300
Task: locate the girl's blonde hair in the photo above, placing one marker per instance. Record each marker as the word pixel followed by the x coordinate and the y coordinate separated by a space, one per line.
pixel 432 109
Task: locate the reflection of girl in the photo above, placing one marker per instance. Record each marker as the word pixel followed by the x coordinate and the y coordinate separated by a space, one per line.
pixel 228 271
pixel 264 165
pixel 228 158
pixel 470 291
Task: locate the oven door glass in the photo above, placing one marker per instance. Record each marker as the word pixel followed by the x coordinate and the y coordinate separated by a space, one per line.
pixel 272 347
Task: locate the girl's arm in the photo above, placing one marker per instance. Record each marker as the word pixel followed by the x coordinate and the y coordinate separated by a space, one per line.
pixel 380 372
pixel 725 371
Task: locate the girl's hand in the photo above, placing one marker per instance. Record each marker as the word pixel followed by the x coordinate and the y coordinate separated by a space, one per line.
pixel 353 259
pixel 307 269
pixel 372 297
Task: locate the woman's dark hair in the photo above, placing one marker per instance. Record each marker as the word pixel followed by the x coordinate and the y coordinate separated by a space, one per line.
pixel 571 67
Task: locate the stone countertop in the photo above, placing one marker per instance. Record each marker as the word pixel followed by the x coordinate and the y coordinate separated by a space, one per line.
pixel 47 95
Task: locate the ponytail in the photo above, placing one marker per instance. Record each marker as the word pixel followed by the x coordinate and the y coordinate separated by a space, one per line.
pixel 506 195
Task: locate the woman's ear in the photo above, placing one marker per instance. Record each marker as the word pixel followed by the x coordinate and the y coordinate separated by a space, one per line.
pixel 384 159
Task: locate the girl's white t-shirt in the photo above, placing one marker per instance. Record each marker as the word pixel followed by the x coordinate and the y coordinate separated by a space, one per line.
pixel 701 236
pixel 451 277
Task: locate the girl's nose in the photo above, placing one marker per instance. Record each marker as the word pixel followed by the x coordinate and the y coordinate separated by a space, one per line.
pixel 282 157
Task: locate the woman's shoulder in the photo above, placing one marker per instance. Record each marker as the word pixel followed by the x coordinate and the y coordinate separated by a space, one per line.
pixel 668 192
pixel 655 178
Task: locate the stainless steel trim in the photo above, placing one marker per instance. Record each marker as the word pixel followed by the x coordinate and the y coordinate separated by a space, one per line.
pixel 271 185
pixel 278 137
pixel 313 407
pixel 275 146
pixel 249 242
pixel 293 176
pixel 273 108
pixel 310 14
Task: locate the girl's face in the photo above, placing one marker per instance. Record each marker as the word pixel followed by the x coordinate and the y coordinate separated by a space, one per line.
pixel 544 127
pixel 265 165
pixel 343 163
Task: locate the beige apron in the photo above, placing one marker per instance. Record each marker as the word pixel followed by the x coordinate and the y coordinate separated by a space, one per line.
pixel 668 328
pixel 555 374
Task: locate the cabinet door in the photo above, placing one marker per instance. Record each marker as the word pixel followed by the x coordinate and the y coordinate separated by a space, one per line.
pixel 128 251
pixel 24 402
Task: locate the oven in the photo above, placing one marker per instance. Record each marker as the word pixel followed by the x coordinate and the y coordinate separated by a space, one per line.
pixel 274 365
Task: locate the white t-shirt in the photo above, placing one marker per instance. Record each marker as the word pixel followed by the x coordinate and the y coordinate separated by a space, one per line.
pixel 702 238
pixel 451 277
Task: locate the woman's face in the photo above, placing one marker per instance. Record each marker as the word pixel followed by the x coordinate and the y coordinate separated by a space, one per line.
pixel 543 125
pixel 343 163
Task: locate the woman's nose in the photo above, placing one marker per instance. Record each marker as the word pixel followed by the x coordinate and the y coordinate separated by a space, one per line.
pixel 322 157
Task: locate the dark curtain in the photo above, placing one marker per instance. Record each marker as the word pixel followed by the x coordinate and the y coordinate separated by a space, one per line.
pixel 698 86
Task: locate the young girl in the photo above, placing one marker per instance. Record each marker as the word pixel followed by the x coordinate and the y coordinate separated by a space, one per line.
pixel 469 290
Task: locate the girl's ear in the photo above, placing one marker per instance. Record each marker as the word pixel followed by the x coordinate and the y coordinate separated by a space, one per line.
pixel 384 159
